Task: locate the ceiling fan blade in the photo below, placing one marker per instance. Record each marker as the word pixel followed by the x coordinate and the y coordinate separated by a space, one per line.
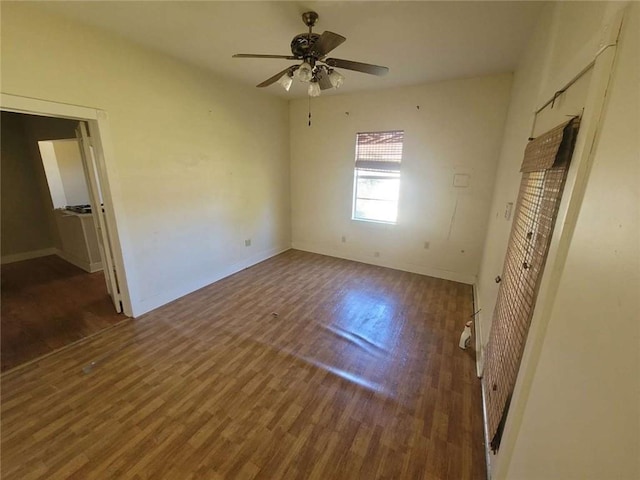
pixel 323 80
pixel 357 66
pixel 327 42
pixel 273 79
pixel 251 55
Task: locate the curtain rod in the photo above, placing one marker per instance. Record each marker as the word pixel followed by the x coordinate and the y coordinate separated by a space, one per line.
pixel 566 86
pixel 577 77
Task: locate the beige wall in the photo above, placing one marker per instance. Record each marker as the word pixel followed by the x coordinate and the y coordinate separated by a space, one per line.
pixel 526 85
pixel 582 418
pixel 456 129
pixel 579 416
pixel 200 164
pixel 25 212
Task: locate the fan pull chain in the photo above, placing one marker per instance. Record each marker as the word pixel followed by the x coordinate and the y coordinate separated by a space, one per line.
pixel 309 110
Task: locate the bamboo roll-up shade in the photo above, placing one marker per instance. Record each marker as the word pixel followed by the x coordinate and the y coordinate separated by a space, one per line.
pixel 381 151
pixel 533 224
pixel 551 148
pixel 524 263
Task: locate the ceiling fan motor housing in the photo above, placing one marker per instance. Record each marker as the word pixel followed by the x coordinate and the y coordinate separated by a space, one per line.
pixel 301 44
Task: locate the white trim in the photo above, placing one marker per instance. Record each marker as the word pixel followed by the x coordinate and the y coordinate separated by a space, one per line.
pixel 86 266
pixel 485 429
pixel 182 289
pixel 405 267
pixel 477 329
pixel 19 257
pixel 479 372
pixel 99 222
pixel 100 134
pixel 569 210
pixel 36 106
pixel 99 130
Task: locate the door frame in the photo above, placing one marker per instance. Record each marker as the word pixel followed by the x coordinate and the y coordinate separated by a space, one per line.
pixel 98 122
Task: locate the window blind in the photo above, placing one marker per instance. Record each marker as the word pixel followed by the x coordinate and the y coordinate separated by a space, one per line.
pixel 544 169
pixel 379 151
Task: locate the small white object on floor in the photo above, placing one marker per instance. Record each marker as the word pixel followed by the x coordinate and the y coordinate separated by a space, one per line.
pixel 465 337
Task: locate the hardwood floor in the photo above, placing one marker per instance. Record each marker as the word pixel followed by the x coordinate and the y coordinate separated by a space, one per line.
pixel 47 303
pixel 301 367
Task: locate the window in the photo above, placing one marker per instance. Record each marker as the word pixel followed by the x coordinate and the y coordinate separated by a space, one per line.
pixel 377 176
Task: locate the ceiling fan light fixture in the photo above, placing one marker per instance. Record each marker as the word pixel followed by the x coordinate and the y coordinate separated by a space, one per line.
pixel 286 80
pixel 314 89
pixel 336 79
pixel 304 73
pixel 316 69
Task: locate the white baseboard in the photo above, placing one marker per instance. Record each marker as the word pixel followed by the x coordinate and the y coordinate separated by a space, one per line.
pixel 95 267
pixel 86 266
pixel 477 326
pixel 485 428
pixel 479 371
pixel 405 267
pixel 141 307
pixel 19 257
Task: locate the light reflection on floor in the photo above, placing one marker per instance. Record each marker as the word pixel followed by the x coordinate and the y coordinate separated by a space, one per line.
pixel 369 316
pixel 361 331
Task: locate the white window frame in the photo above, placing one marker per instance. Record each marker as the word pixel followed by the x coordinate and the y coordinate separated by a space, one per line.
pixel 359 172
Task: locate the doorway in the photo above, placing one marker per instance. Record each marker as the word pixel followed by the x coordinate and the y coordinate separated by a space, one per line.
pixel 57 286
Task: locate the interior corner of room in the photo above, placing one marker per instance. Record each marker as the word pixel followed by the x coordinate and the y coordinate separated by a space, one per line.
pixel 157 178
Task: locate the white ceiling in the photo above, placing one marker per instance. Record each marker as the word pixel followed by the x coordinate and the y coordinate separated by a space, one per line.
pixel 420 41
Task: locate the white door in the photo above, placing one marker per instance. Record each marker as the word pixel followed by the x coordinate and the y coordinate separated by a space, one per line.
pixel 90 169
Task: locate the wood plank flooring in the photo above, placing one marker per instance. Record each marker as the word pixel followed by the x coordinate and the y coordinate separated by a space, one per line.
pixel 47 303
pixel 301 367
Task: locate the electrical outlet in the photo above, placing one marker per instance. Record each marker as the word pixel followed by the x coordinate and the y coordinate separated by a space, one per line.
pixel 344 239
pixel 247 242
pixel 427 245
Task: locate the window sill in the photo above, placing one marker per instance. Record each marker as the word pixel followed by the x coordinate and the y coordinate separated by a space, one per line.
pixel 374 222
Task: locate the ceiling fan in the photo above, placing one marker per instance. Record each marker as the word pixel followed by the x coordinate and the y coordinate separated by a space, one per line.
pixel 315 69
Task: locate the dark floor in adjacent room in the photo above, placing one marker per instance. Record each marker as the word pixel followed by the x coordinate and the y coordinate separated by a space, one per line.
pixel 48 303
pixel 301 367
